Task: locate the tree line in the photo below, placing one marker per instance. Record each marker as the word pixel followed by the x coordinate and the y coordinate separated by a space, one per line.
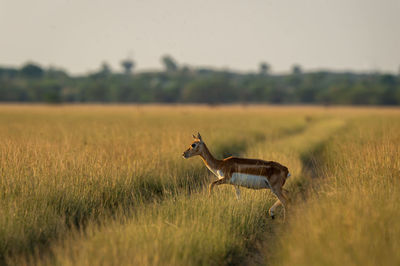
pixel 185 84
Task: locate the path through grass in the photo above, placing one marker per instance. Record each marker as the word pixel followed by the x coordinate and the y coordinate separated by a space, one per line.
pixel 107 185
pixel 195 229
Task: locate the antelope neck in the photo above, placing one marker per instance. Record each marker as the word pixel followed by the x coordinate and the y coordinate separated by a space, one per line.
pixel 209 159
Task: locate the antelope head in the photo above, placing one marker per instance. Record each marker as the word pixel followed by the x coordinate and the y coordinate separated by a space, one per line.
pixel 196 148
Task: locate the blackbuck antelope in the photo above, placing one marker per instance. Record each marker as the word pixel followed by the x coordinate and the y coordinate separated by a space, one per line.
pixel 250 173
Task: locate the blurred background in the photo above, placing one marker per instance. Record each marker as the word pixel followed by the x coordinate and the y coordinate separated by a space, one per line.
pixel 213 52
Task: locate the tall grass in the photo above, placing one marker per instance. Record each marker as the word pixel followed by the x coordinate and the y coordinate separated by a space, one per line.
pixel 195 229
pixel 62 167
pixel 107 185
pixel 351 216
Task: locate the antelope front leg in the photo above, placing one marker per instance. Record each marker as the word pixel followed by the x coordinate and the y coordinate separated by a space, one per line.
pixel 282 200
pixel 216 182
pixel 273 207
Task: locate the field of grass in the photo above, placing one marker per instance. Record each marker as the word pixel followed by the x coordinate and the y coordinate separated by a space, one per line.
pixel 89 185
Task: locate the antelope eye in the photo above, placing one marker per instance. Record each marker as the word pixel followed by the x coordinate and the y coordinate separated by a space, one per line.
pixel 193 145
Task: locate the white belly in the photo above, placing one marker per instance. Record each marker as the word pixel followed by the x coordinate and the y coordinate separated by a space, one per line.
pixel 249 181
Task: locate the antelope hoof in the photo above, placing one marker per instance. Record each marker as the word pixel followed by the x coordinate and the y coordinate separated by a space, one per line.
pixel 272 215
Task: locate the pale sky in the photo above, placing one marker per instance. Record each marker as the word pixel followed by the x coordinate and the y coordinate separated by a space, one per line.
pixel 78 35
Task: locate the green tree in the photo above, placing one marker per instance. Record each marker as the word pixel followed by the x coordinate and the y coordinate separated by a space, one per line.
pixel 389 84
pixel 128 64
pixel 31 70
pixel 8 72
pixel 296 69
pixel 105 69
pixel 169 63
pixel 216 89
pixel 264 68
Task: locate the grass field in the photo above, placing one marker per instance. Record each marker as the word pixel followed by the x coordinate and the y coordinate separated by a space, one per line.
pixel 90 185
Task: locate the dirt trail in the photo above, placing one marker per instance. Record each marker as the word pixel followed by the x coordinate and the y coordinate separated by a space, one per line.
pixel 306 145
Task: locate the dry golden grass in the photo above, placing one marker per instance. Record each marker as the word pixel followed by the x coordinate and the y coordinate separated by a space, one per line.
pixel 351 216
pixel 107 185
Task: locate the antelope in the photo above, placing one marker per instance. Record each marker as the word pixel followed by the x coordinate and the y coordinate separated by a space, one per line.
pixel 241 172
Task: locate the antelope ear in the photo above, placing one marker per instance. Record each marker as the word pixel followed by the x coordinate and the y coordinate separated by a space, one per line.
pixel 198 136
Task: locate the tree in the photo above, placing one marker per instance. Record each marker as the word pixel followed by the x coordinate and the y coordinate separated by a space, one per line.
pixel 169 63
pixel 105 71
pixel 128 64
pixel 31 70
pixel 56 73
pixel 264 68
pixel 389 85
pixel 8 72
pixel 296 78
pixel 211 90
pixel 296 69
